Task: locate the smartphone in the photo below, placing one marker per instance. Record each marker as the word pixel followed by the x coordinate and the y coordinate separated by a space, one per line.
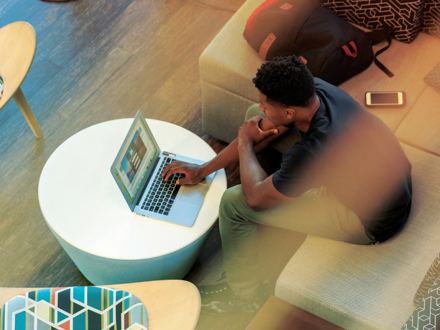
pixel 385 98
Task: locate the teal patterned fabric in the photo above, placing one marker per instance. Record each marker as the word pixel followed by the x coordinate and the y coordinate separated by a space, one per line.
pixel 74 308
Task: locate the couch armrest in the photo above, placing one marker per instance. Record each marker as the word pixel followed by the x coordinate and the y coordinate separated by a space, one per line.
pixel 227 67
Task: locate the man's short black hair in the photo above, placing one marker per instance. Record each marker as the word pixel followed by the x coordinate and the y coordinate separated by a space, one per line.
pixel 285 80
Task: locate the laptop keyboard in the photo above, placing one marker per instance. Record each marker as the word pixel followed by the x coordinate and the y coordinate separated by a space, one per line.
pixel 162 193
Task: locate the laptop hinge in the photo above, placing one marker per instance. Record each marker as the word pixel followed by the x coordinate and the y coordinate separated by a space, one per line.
pixel 169 154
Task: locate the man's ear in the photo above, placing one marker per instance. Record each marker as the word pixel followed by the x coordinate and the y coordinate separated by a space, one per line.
pixel 290 112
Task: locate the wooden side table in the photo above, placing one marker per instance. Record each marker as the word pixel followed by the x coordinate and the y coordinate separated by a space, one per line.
pixel 17 49
pixel 280 315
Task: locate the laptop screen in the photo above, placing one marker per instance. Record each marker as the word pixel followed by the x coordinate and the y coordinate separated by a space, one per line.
pixel 134 159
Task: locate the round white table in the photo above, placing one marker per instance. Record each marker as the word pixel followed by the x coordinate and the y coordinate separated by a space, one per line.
pixel 85 210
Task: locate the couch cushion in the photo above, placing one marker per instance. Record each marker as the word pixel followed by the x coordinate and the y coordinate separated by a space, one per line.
pixel 370 287
pixel 410 63
pixel 421 128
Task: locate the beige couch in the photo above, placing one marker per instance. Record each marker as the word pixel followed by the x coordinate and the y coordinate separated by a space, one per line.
pixel 356 287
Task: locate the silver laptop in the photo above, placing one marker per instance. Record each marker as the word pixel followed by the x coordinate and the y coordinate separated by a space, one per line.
pixel 138 169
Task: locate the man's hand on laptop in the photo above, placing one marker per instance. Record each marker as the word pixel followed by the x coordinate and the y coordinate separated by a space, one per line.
pixel 192 172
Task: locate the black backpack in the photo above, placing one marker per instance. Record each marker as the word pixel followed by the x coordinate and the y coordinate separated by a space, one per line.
pixel 332 48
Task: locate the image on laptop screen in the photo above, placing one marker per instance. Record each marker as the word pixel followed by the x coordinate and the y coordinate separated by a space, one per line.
pixel 135 161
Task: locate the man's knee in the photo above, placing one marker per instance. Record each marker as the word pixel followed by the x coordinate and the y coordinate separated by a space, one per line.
pixel 254 110
pixel 231 201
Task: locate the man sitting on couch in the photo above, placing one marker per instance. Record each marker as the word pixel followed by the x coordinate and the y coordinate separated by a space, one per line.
pixel 346 177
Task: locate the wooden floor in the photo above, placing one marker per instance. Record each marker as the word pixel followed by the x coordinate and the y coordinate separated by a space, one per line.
pixel 99 60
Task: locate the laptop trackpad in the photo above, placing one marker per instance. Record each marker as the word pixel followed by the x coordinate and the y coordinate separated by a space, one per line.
pixel 193 194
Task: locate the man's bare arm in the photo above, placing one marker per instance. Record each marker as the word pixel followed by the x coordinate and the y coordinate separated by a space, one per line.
pixel 258 187
pixel 228 156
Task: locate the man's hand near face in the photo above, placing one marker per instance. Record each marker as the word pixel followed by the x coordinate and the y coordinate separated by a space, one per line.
pixel 251 132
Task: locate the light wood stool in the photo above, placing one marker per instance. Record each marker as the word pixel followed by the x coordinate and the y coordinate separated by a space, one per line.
pixel 17 49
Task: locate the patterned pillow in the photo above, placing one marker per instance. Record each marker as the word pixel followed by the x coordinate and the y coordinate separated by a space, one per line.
pixel 74 308
pixel 405 16
pixel 430 277
pixel 431 17
pixel 426 315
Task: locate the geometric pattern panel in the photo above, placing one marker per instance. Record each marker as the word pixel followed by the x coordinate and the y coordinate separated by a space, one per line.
pixel 427 314
pixel 405 16
pixel 431 17
pixel 74 308
pixel 434 270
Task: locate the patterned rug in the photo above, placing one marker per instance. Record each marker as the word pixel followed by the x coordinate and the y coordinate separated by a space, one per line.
pixel 74 308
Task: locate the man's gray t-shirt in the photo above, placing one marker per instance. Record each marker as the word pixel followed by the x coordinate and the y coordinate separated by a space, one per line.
pixel 357 157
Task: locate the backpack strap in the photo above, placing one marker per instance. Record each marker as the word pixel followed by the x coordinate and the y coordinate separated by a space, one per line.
pixel 377 36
